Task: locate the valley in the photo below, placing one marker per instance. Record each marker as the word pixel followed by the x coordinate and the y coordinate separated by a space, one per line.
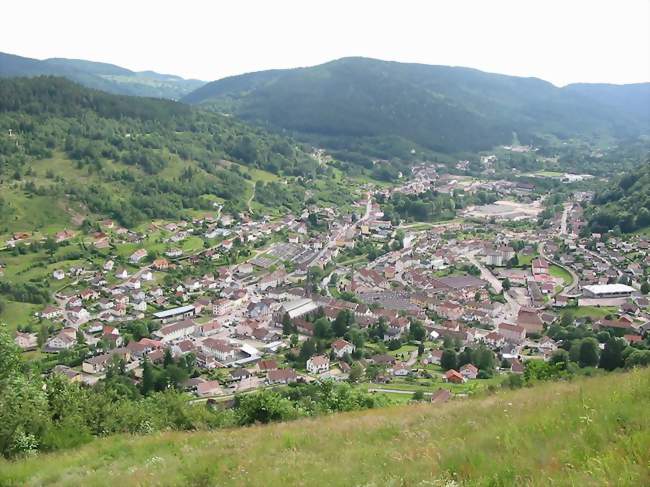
pixel 398 270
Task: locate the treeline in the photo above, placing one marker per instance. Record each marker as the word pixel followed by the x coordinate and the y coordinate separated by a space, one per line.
pixel 25 292
pixel 625 205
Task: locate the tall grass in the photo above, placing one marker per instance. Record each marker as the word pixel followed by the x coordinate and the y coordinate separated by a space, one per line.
pixel 587 432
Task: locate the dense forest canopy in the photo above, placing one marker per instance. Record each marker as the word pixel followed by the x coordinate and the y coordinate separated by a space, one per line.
pixel 439 108
pixel 625 204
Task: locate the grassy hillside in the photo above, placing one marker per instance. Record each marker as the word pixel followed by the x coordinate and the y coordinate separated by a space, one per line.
pixel 441 108
pixel 101 76
pixel 587 432
pixel 66 150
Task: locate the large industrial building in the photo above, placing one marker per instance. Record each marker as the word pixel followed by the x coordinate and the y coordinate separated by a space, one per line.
pixel 607 291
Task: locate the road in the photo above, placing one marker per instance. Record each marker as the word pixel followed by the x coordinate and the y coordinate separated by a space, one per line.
pixel 250 199
pixel 511 308
pixel 334 237
pixel 574 276
pixel 486 274
pixel 565 216
pixel 413 358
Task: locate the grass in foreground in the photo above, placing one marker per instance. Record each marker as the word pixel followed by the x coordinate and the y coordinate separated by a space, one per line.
pixel 587 432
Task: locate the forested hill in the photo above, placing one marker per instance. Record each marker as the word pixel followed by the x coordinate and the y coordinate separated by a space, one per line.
pixel 625 204
pixel 102 76
pixel 125 157
pixel 445 109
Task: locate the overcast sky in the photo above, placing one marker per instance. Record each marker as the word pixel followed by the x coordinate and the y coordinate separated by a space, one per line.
pixel 560 41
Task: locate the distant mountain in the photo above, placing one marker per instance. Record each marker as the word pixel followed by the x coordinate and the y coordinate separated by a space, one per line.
pixel 441 108
pixel 633 98
pixel 102 76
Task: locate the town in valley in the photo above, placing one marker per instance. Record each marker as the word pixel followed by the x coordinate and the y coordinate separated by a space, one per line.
pixel 426 310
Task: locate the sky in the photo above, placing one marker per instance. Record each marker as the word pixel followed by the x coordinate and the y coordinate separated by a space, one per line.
pixel 560 41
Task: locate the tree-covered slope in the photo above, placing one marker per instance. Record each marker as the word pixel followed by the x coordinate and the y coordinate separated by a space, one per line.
pixel 633 98
pixel 624 204
pixel 592 431
pixel 126 157
pixel 102 76
pixel 445 109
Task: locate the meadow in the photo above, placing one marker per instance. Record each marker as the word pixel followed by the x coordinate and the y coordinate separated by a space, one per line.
pixel 589 431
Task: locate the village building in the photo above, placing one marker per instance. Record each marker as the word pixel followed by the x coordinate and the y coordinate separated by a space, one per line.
pixel 318 364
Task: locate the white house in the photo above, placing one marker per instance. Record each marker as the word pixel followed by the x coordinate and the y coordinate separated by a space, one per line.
pixel 340 347
pixel 318 364
pixel 176 331
pixel 137 256
pixel 220 349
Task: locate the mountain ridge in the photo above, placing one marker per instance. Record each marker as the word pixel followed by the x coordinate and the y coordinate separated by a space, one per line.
pixel 446 109
pixel 99 75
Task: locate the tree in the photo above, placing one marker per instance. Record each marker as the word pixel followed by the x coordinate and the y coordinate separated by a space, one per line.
pixel 559 356
pixel 612 355
pixel 287 326
pixel 307 350
pixel 168 359
pixel 50 246
pixel 43 332
pixel 589 352
pixel 484 359
pixel 264 407
pixel 638 358
pixel 418 396
pixel 567 319
pixel 513 381
pixel 23 403
pixel 464 357
pixel 645 287
pixel 175 375
pixel 506 284
pixel 342 323
pixel 394 344
pixel 449 360
pixel 322 328
pixel 417 331
pixel 356 372
pixel 148 379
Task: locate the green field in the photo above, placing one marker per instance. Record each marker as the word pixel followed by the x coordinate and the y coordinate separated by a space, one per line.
pixel 15 314
pixel 592 311
pixel 585 432
pixel 525 260
pixel 557 271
